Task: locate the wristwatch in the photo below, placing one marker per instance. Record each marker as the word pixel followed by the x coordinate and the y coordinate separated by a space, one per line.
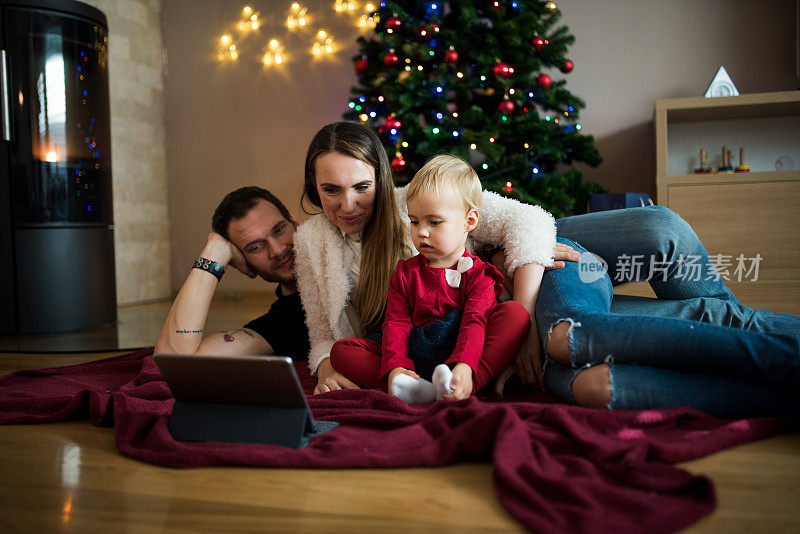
pixel 217 269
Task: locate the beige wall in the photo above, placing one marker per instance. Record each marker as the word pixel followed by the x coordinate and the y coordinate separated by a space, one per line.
pixel 629 53
pixel 138 146
pixel 234 125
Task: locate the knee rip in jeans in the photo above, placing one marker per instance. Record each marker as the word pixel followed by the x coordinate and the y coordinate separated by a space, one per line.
pixel 559 347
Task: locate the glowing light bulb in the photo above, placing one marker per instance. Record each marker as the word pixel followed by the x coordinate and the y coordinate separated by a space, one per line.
pixel 364 117
pixel 435 130
pixel 225 40
pixel 473 146
pixel 405 144
pixel 247 10
pixel 460 74
pixel 511 91
pixel 491 139
pixel 51 156
pixel 527 145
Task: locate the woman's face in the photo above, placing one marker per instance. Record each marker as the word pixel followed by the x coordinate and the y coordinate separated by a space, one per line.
pixel 346 188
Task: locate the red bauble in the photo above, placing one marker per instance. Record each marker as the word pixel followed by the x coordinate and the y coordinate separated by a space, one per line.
pixel 506 106
pixel 393 22
pixel 567 66
pixel 537 42
pixel 361 65
pixel 391 59
pixel 392 122
pixel 501 70
pixel 398 164
pixel 451 56
pixel 544 80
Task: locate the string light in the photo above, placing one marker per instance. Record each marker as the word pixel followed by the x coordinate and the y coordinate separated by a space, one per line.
pixel 340 6
pixel 473 146
pixel 249 20
pixel 273 55
pixel 298 17
pixel 323 45
pixel 227 50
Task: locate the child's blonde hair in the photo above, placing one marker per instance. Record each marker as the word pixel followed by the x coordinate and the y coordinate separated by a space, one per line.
pixel 448 171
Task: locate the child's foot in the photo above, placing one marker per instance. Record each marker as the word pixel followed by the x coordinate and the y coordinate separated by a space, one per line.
pixel 412 390
pixel 442 376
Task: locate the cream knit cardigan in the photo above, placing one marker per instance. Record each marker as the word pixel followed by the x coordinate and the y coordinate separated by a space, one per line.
pixel 323 261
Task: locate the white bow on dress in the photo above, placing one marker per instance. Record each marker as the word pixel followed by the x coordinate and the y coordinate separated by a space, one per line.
pixel 453 276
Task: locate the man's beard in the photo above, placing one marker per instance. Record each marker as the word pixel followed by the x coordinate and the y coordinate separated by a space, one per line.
pixel 273 276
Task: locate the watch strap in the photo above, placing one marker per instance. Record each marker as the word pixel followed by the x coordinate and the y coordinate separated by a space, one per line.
pixel 204 264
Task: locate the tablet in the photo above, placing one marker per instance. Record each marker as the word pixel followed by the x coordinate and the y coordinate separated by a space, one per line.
pixel 238 399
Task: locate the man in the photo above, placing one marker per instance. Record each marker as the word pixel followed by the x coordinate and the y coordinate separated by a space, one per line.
pixel 253 233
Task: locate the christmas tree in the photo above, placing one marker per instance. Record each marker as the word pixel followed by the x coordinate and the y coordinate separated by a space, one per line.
pixel 467 78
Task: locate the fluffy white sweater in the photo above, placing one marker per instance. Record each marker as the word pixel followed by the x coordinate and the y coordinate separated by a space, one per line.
pixel 323 261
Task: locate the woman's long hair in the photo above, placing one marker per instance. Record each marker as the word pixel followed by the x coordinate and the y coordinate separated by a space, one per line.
pixel 383 238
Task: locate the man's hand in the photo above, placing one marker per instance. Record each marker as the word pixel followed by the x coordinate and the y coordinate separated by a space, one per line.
pixel 222 251
pixel 562 253
pixel 329 380
pixel 461 384
pixel 528 364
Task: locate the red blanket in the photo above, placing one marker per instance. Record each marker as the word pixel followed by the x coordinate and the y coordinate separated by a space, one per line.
pixel 557 468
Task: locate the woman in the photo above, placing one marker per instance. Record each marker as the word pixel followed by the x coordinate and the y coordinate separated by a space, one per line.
pixel 346 255
pixel 638 353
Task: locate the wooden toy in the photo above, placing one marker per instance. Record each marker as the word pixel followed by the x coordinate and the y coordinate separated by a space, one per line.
pixel 742 167
pixel 704 167
pixel 726 167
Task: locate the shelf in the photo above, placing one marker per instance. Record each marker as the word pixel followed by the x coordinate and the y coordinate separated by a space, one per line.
pixel 699 109
pixel 722 178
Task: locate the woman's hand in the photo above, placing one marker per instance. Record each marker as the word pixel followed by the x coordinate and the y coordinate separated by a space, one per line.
pixel 562 253
pixel 461 384
pixel 329 380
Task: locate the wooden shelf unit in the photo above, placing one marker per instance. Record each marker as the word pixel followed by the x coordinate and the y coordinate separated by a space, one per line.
pixel 742 213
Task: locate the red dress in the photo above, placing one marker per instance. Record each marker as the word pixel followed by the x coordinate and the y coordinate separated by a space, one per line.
pixel 419 294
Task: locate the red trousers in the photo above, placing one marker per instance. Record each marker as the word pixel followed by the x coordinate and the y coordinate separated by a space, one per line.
pixel 507 327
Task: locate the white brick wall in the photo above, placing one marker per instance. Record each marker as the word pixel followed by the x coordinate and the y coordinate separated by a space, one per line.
pixel 138 163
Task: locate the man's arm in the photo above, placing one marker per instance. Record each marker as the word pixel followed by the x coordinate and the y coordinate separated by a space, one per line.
pixel 183 333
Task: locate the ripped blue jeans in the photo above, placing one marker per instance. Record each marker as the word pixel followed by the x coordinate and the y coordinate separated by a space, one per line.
pixel 706 351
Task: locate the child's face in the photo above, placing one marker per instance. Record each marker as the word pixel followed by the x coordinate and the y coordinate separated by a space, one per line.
pixel 439 226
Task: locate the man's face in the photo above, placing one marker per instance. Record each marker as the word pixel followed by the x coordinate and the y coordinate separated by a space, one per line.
pixel 265 238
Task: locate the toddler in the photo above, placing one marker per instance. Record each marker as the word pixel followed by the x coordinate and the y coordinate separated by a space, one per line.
pixel 444 335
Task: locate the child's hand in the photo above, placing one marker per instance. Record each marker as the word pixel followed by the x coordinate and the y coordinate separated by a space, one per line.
pixel 400 371
pixel 461 383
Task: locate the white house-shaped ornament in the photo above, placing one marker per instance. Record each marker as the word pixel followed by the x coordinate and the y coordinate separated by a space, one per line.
pixel 721 85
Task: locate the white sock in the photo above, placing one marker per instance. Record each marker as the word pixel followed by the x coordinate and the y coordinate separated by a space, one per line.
pixel 413 391
pixel 442 376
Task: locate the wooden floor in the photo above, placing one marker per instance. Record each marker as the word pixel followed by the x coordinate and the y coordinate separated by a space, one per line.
pixel 68 477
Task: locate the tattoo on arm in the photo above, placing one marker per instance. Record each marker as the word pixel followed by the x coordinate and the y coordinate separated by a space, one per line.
pixel 228 336
pixel 188 331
